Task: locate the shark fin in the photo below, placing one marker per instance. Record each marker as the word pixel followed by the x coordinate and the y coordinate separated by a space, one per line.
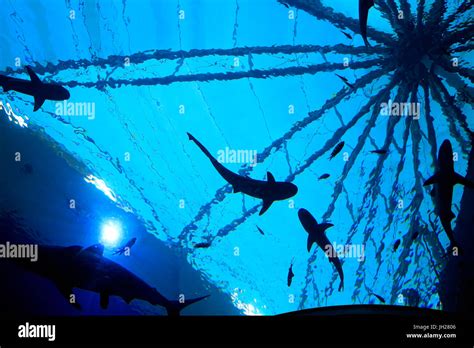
pixel 310 242
pixel 459 179
pixel 364 7
pixel 174 307
pixel 433 180
pixel 270 177
pixel 96 249
pixel 266 205
pixel 38 102
pixel 33 77
pixel 104 300
pixel 325 225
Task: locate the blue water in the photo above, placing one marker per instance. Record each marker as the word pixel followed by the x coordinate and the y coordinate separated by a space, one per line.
pixel 135 151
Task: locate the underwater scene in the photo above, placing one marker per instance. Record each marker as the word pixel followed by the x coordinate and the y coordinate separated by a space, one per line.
pixel 235 157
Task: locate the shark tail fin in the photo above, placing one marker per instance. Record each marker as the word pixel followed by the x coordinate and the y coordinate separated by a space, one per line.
pixel 174 308
pixel 341 286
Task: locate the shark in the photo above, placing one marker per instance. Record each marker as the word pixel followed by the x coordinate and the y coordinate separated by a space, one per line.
pixel 364 7
pixel 86 268
pixel 34 87
pixel 268 191
pixel 316 234
pixel 444 180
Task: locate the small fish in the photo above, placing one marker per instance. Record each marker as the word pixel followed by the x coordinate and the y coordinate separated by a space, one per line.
pixel 380 298
pixel 336 150
pixel 202 245
pixel 290 274
pixel 260 230
pixel 396 245
pixel 126 248
pixel 324 176
pixel 346 81
pixel 347 35
pixel 379 151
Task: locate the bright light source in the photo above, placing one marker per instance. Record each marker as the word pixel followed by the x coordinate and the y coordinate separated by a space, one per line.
pixel 111 233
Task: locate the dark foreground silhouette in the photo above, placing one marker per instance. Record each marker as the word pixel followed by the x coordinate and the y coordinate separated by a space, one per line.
pixel 86 268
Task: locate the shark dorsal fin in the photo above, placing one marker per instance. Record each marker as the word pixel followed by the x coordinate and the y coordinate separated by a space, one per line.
pixel 270 177
pixel 33 77
pixel 96 249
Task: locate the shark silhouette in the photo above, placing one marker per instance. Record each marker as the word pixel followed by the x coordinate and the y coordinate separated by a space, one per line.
pixel 316 234
pixel 35 87
pixel 87 269
pixel 444 180
pixel 269 191
pixel 364 7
